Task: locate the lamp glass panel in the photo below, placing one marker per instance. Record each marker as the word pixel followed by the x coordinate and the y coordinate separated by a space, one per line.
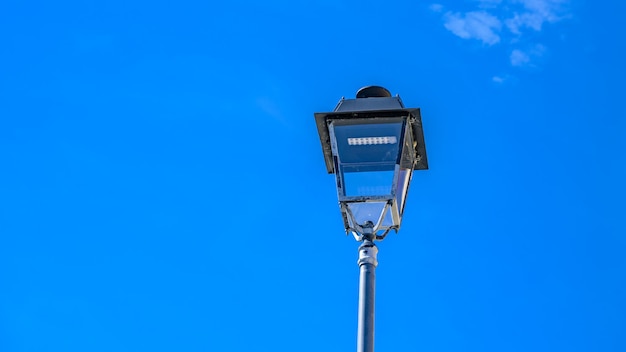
pixel 367 142
pixel 367 181
pixel 367 154
pixel 370 211
pixel 404 178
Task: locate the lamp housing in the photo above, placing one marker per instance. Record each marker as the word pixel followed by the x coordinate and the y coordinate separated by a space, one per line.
pixel 372 144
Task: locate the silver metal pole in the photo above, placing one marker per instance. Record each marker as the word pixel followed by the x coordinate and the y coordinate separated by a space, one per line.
pixel 367 289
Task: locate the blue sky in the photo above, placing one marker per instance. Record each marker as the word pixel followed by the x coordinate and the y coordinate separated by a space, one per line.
pixel 162 185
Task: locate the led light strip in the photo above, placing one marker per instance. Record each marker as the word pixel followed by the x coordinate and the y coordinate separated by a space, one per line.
pixel 372 140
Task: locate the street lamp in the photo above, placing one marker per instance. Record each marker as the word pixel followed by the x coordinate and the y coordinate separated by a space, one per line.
pixel 372 144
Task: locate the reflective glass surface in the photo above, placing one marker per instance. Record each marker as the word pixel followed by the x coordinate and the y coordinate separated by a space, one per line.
pixel 403 186
pixel 367 154
pixel 370 211
pixel 368 183
pixel 367 143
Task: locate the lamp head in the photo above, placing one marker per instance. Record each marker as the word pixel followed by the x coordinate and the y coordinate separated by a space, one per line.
pixel 372 144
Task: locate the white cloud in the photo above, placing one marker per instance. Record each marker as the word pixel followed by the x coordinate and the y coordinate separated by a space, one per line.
pixel 474 25
pixel 506 21
pixel 546 8
pixel 519 58
pixel 504 79
pixel 525 57
pixel 488 3
pixel 436 7
pixel 534 14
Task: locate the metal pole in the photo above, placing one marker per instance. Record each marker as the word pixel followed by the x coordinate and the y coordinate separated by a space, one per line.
pixel 367 288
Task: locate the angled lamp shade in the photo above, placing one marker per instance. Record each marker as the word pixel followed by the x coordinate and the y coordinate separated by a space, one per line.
pixel 372 144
